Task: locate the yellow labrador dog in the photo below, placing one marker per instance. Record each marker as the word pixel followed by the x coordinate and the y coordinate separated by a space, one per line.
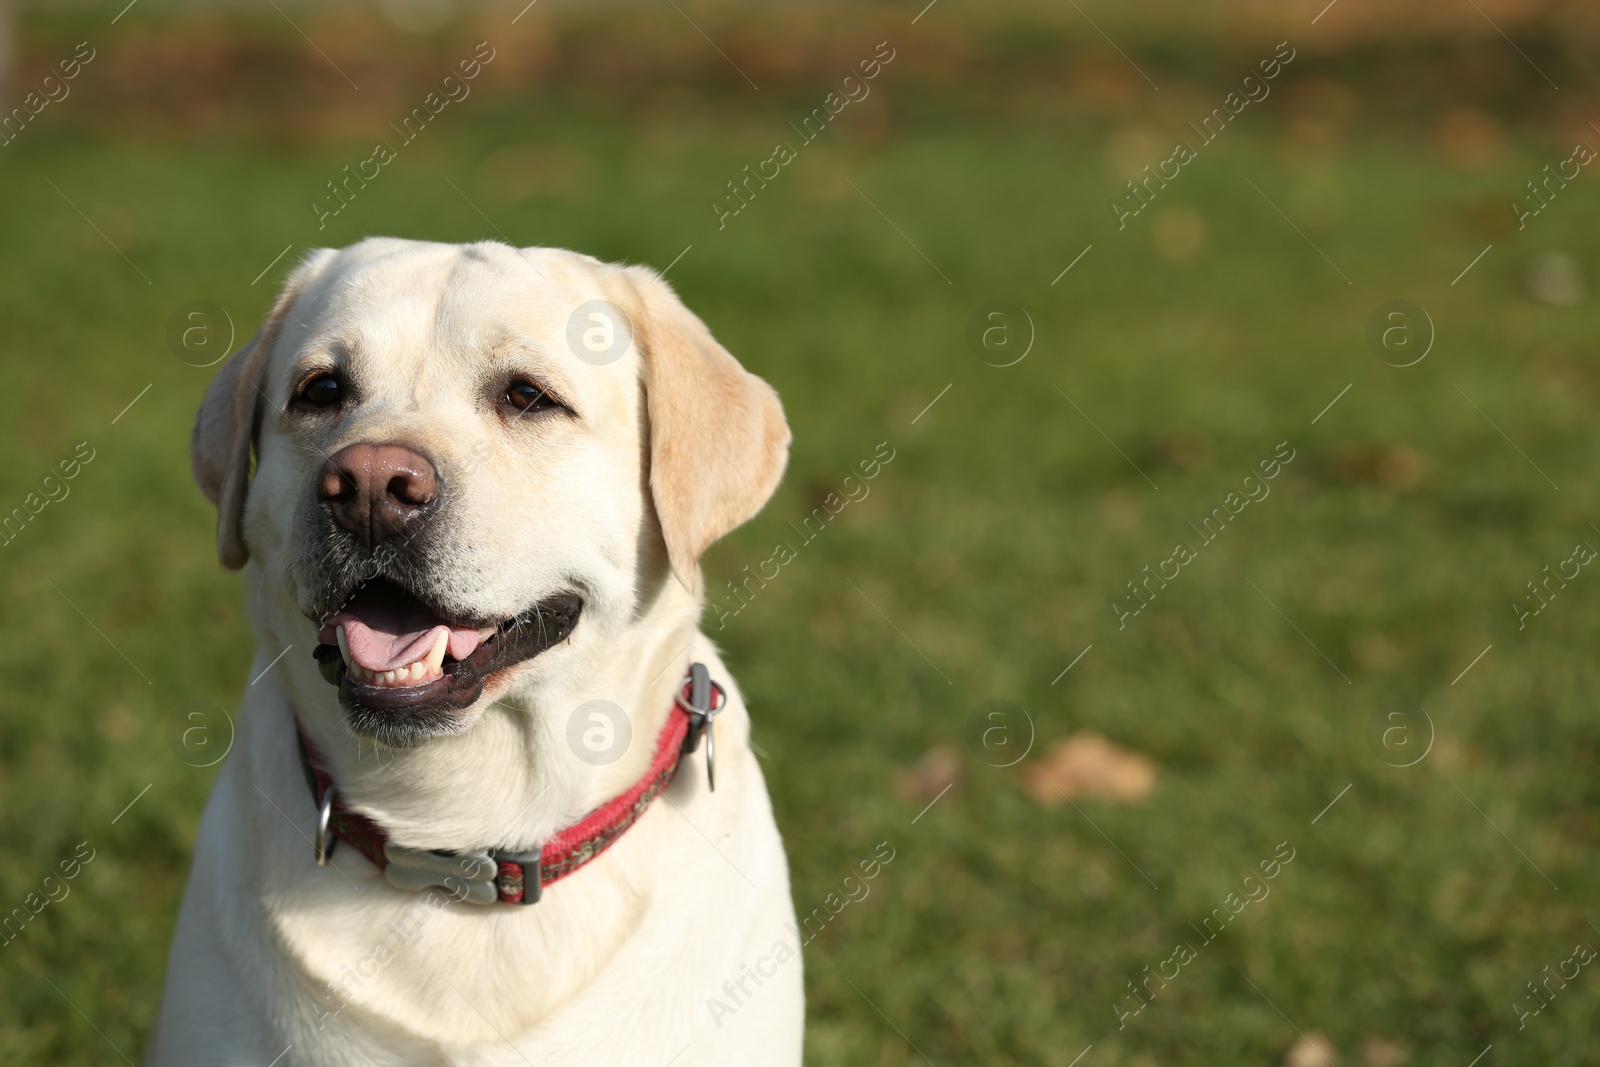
pixel 469 815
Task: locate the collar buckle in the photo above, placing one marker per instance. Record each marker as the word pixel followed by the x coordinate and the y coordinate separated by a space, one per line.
pixel 482 877
pixel 469 877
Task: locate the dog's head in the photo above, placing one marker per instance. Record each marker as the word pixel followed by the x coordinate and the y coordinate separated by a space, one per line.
pixel 465 454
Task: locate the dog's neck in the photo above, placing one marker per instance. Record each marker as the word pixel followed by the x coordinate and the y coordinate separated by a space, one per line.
pixel 518 774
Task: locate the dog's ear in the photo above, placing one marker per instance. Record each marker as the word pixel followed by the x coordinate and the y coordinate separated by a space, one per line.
pixel 718 438
pixel 230 415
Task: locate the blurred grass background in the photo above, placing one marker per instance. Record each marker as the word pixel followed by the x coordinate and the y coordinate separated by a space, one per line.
pixel 1196 339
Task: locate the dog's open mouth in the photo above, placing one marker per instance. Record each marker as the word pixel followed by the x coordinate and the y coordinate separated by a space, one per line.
pixel 390 652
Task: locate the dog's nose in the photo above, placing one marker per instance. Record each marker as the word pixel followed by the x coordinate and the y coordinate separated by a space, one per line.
pixel 376 491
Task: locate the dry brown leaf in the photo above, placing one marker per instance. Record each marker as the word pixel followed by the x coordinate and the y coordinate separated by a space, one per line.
pixel 1088 765
pixel 1184 449
pixel 1312 1050
pixel 1376 1052
pixel 935 772
pixel 1393 466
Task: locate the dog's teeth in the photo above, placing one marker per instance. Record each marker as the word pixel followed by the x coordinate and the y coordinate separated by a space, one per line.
pixel 413 673
pixel 486 633
pixel 344 649
pixel 433 662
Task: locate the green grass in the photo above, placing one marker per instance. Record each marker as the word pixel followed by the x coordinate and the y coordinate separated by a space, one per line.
pixel 1003 932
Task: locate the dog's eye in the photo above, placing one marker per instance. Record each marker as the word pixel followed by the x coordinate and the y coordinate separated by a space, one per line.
pixel 322 391
pixel 525 396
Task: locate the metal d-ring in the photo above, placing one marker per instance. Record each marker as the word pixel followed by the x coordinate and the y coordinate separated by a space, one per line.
pixel 711 754
pixel 714 703
pixel 325 840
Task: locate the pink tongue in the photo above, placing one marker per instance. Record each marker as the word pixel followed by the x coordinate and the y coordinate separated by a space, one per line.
pixel 385 628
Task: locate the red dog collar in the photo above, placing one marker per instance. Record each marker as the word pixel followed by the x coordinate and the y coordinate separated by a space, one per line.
pixel 495 874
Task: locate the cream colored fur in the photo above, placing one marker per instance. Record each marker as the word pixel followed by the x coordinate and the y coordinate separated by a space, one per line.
pixel 672 445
